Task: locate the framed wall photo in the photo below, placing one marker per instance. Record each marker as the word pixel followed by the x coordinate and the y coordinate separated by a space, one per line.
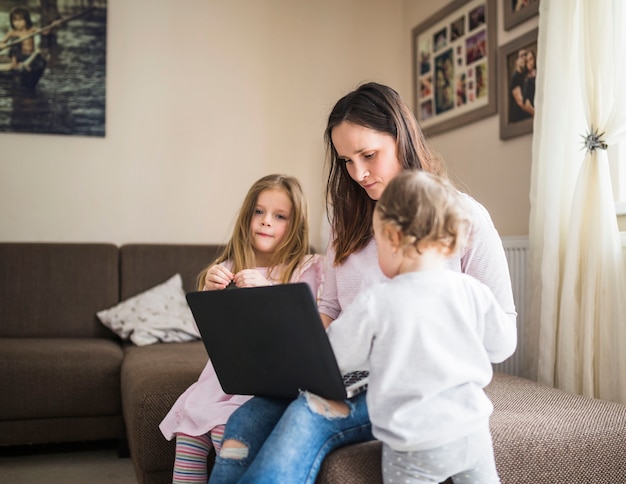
pixel 454 66
pixel 517 63
pixel 517 11
pixel 53 67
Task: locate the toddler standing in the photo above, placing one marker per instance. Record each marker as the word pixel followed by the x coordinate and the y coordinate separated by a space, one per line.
pixel 429 336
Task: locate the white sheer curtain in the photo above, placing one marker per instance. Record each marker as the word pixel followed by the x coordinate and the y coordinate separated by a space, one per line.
pixel 577 334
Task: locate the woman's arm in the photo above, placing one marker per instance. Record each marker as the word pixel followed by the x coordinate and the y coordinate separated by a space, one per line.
pixel 326 320
pixel 485 260
pixel 329 301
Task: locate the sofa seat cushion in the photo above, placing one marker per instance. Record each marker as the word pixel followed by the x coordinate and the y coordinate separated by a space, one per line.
pixel 540 434
pixel 57 378
pixel 153 377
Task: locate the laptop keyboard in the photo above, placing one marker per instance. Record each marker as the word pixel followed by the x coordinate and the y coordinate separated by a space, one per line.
pixel 354 376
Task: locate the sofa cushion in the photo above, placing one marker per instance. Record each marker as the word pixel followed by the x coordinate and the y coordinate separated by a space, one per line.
pixel 143 266
pixel 153 377
pixel 53 290
pixel 57 378
pixel 158 314
pixel 540 434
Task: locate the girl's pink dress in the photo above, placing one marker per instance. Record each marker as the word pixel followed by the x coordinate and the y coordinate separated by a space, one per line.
pixel 204 406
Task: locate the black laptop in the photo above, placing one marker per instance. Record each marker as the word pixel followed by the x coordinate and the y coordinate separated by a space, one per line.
pixel 270 341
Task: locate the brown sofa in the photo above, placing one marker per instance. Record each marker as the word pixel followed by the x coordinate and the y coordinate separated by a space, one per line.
pixel 66 378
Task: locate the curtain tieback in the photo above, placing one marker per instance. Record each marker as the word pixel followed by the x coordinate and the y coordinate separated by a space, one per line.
pixel 594 141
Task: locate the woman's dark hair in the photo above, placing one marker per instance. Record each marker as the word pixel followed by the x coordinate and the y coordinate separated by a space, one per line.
pixel 349 208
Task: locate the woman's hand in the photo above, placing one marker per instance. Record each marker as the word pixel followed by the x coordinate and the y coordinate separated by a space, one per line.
pixel 326 320
pixel 250 278
pixel 217 277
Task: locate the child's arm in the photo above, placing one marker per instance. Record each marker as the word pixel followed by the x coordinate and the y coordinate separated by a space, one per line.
pixel 352 333
pixel 500 337
pixel 3 42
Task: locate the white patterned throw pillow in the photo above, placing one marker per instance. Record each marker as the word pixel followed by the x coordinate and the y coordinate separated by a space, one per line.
pixel 158 314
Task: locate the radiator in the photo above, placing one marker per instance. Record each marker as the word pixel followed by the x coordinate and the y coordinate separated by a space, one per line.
pixel 516 250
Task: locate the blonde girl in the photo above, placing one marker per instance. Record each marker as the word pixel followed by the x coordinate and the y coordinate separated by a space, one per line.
pixel 269 245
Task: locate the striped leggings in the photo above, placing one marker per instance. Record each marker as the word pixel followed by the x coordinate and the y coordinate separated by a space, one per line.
pixel 191 456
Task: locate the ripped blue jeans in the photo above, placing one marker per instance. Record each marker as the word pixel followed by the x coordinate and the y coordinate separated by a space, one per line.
pixel 287 440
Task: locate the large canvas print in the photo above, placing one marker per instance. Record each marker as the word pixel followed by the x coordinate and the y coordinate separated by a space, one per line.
pixel 53 66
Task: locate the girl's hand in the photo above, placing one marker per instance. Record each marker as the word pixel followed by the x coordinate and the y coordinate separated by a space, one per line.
pixel 217 277
pixel 250 278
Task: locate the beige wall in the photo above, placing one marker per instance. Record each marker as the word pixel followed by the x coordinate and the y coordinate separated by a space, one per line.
pixel 205 97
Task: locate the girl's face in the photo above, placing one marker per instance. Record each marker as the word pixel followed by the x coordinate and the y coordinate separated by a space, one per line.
pixel 370 156
pixel 530 61
pixel 389 258
pixel 269 223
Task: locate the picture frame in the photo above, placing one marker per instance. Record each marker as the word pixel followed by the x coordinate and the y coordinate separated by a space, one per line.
pixel 518 11
pixel 517 85
pixel 58 88
pixel 454 66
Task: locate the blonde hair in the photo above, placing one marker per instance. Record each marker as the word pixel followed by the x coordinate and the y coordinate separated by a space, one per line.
pixel 289 253
pixel 425 208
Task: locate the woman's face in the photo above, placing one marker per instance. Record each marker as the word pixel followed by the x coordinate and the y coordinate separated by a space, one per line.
pixel 370 156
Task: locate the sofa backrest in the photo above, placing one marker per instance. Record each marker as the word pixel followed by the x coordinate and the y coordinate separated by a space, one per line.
pixel 143 266
pixel 55 289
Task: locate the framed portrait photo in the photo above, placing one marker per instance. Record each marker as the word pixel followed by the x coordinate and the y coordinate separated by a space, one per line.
pixel 454 66
pixel 517 63
pixel 517 11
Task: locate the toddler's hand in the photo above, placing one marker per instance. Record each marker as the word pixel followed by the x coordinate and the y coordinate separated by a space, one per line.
pixel 250 278
pixel 217 277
